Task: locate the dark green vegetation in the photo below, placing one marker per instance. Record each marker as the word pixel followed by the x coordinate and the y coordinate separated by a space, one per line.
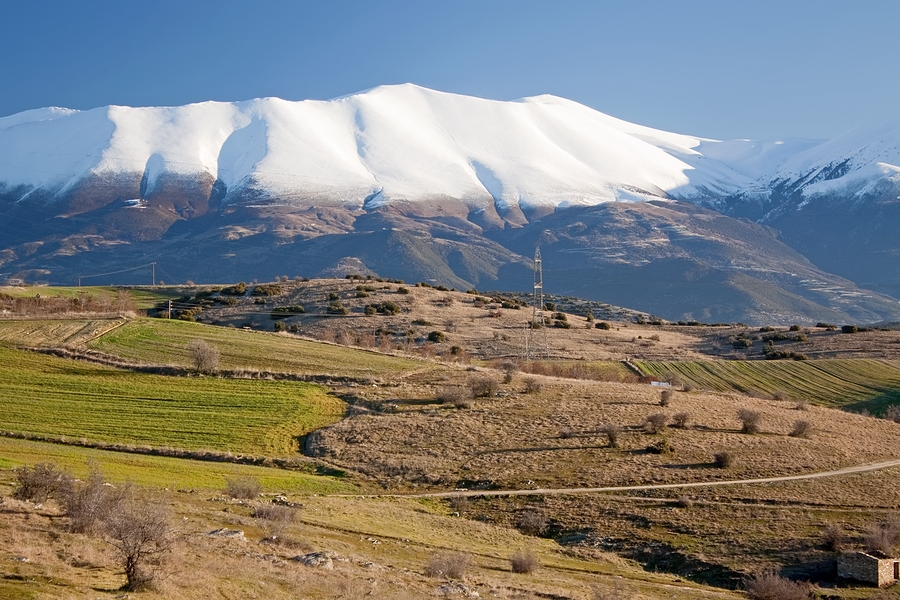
pixel 49 396
pixel 856 384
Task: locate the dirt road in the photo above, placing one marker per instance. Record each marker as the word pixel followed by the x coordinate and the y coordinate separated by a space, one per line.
pixel 666 486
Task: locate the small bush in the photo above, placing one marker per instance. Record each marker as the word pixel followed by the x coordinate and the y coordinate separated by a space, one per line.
pixel 531 522
pixel 665 397
pixel 276 519
pixel 802 429
pixel 892 413
pixel 402 290
pixel 533 385
pixel 849 328
pixel 883 538
pixel 509 369
pixel 483 386
pixel 204 355
pixel 459 397
pixel 40 482
pixel 451 565
pixel 243 488
pixel 684 502
pixel 87 505
pixel 833 538
pixel 459 503
pixel 602 325
pixel 681 420
pixel 618 591
pixel 235 290
pixel 661 447
pixel 802 405
pixel 767 585
pixel 751 420
pixel 795 328
pixel 655 423
pixel 524 561
pixel 723 460
pixel 612 432
pixel 138 529
pixel 437 337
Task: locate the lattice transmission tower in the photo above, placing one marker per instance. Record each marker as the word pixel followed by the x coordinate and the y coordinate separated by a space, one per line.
pixel 536 338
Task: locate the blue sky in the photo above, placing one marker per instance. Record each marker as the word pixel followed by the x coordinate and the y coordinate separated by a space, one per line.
pixel 720 68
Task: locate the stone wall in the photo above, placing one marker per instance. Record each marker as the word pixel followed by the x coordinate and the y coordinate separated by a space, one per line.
pixel 863 567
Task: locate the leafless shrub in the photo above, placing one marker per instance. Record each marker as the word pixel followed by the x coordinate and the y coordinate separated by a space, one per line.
pixel 459 397
pixel 533 385
pixel 532 522
pixel 87 504
pixel 566 433
pixel 665 397
pixel 768 585
pixel 483 386
pixel 451 565
pixel 723 460
pixel 833 538
pixel 751 420
pixel 276 518
pixel 243 488
pixel 892 413
pixel 459 503
pixel 802 429
pixel 883 538
pixel 612 432
pixel 524 561
pixel 681 420
pixel 802 405
pixel 40 482
pixel 509 369
pixel 655 423
pixel 684 502
pixel 617 591
pixel 138 528
pixel 781 396
pixel 204 355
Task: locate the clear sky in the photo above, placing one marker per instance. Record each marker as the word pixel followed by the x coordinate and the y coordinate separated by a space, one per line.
pixel 716 68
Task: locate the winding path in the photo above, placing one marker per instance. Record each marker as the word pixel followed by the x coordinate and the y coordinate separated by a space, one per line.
pixel 662 486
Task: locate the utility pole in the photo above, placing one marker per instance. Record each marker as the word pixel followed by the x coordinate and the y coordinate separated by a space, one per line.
pixel 153 276
pixel 170 309
pixel 536 340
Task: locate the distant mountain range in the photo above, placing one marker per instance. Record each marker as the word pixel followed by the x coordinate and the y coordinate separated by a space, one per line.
pixel 418 184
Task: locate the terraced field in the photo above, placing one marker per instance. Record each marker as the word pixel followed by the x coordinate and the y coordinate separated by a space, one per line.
pixel 56 397
pixel 37 333
pixel 854 383
pixel 161 341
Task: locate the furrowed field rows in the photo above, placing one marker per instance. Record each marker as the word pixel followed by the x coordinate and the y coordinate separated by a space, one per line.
pixel 838 382
pixel 162 341
pixel 55 397
pixel 53 332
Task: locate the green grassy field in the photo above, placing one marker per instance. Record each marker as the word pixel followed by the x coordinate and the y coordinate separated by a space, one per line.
pixel 142 297
pixel 161 471
pixel 855 383
pixel 45 395
pixel 161 341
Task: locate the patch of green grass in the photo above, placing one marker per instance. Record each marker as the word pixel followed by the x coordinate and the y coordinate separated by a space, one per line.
pixel 160 471
pixel 833 382
pixel 163 341
pixel 142 297
pixel 44 395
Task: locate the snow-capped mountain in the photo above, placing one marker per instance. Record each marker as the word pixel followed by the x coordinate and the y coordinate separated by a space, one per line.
pixel 73 183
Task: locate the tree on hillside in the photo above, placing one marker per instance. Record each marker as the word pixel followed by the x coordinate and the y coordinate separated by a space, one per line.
pixel 204 355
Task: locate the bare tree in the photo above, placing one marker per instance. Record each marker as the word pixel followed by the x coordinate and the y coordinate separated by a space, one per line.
pixel 138 529
pixel 204 355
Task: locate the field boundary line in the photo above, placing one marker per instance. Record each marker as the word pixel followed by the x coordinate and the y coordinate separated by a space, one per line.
pixel 886 464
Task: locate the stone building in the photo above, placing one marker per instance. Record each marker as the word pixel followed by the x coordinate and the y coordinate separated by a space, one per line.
pixel 866 568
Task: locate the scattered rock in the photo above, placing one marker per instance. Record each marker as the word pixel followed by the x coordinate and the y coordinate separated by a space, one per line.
pixel 455 588
pixel 22 559
pixel 228 533
pixel 319 560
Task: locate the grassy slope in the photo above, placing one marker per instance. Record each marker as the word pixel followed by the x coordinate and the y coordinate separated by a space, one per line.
pixel 164 341
pixel 38 333
pixel 860 383
pixel 162 472
pixel 52 396
pixel 143 297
